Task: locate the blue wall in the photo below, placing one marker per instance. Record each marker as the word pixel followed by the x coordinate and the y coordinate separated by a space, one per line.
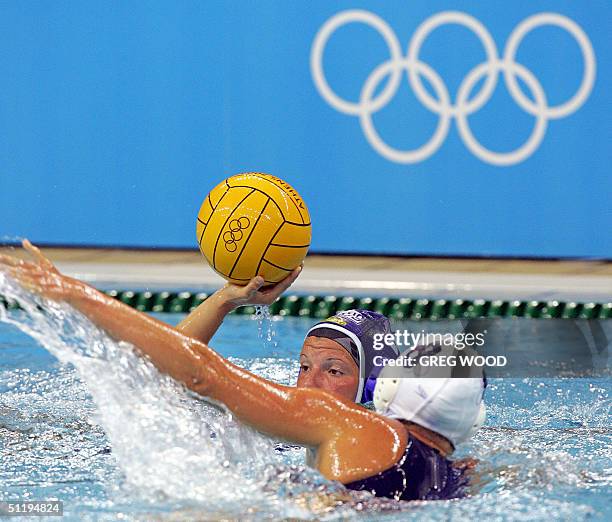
pixel 116 118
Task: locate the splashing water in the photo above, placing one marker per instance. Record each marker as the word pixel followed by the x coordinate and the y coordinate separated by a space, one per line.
pixel 159 452
pixel 167 442
pixel 265 328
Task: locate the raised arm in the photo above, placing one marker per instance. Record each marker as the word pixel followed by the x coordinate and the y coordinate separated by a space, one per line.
pixel 352 442
pixel 205 320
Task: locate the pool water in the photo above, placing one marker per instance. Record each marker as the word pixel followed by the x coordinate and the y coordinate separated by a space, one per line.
pixel 86 421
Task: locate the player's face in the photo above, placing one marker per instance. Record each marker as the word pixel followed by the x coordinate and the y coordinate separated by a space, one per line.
pixel 327 365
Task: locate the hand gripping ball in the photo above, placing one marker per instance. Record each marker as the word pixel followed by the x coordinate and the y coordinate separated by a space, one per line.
pixel 253 224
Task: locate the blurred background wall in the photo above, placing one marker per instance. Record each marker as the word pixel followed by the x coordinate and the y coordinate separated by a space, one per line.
pixel 117 118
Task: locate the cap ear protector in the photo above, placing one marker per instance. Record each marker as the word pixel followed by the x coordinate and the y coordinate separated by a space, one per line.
pixel 482 412
pixel 384 393
pixel 479 422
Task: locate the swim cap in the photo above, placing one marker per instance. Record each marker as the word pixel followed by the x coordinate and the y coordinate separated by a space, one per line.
pixel 447 400
pixel 354 330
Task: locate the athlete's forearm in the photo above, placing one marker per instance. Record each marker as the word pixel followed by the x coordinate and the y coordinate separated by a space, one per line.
pixel 205 320
pixel 172 352
pixel 301 415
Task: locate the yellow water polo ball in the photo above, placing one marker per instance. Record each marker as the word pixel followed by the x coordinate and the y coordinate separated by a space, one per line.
pixel 253 224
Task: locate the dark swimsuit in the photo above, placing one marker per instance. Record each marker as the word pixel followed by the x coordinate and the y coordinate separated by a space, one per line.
pixel 421 474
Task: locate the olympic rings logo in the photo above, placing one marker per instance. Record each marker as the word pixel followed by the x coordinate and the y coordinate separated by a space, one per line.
pixel 236 226
pixel 441 104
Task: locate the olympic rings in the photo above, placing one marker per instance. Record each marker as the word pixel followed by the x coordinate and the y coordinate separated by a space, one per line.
pixel 463 106
pixel 234 234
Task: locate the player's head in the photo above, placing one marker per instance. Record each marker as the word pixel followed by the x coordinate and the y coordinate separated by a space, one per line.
pixel 448 400
pixel 338 353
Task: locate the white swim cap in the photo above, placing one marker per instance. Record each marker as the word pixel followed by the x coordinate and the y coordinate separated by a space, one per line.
pixel 451 406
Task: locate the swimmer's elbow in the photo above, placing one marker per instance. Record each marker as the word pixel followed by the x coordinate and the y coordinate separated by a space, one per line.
pixel 198 384
pixel 208 373
pixel 201 379
pixel 185 363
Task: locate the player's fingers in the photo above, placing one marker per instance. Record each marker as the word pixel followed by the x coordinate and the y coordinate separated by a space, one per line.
pixel 32 250
pixel 281 286
pixel 30 275
pixel 35 280
pixel 18 272
pixel 254 284
pixel 293 275
pixel 271 293
pixel 37 254
pixel 22 276
pixel 10 260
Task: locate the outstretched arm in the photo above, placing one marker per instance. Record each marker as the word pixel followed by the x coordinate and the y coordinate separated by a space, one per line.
pixel 205 320
pixel 170 351
pixel 353 443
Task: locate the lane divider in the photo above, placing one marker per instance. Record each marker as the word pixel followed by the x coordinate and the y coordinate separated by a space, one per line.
pixel 319 307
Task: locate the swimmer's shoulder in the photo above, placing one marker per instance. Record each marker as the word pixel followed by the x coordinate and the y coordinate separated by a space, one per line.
pixel 365 448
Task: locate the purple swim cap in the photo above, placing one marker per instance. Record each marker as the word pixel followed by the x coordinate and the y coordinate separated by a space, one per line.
pixel 355 330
